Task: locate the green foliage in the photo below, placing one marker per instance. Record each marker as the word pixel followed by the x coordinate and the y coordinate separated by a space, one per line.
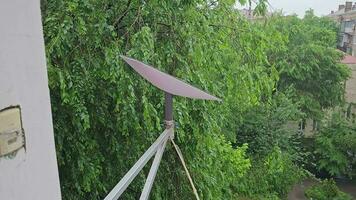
pixel 270 177
pixel 311 79
pixel 105 115
pixel 309 62
pixel 336 146
pixel 326 190
pixel 264 126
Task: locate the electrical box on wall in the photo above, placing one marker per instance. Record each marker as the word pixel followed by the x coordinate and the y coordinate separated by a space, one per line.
pixel 11 132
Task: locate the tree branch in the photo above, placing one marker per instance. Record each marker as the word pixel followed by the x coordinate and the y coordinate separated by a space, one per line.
pixel 124 14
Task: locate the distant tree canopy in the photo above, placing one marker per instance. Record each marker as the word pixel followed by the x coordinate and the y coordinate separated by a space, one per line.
pixel 311 78
pixel 309 62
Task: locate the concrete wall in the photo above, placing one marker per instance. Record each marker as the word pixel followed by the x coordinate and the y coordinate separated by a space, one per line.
pixel 351 85
pixel 32 173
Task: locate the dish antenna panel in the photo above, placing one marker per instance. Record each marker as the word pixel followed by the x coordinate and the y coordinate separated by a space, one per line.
pixel 171 86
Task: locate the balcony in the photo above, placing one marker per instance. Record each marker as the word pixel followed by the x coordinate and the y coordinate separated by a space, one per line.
pixel 350 30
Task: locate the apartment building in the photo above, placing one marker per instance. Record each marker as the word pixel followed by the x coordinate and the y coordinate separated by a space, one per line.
pixel 346 17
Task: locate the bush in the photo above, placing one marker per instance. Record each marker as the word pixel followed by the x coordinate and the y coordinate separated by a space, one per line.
pixel 272 176
pixel 326 190
pixel 336 147
pixel 264 126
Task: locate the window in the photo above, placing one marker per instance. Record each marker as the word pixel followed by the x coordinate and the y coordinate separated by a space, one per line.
pixel 348 24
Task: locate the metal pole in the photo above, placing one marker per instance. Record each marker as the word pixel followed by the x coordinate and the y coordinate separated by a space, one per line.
pixel 153 171
pixel 168 109
pixel 116 192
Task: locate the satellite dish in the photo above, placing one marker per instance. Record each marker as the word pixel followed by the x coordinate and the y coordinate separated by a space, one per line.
pixel 166 82
pixel 171 86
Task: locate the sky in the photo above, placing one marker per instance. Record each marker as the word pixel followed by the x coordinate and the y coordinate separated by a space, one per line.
pixel 320 7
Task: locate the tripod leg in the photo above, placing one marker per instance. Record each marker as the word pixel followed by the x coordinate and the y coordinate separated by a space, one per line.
pixel 116 192
pixel 153 171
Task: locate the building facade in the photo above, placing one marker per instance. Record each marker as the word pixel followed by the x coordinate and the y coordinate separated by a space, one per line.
pixel 350 95
pixel 350 86
pixel 346 17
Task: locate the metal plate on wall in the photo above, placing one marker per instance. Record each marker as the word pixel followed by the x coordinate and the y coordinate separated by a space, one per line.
pixel 11 132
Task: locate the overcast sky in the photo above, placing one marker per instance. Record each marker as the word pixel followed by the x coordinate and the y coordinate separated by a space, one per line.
pixel 320 7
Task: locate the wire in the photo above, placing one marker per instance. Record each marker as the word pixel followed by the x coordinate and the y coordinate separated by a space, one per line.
pixel 180 155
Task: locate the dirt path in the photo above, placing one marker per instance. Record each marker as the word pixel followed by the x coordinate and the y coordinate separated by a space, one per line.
pixel 297 192
pixel 347 187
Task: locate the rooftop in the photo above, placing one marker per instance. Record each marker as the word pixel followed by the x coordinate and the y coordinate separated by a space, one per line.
pixel 344 9
pixel 348 59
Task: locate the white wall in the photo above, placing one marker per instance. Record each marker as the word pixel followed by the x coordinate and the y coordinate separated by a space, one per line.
pixel 32 174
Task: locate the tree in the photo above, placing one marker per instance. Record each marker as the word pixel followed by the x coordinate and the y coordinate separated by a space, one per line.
pixel 335 146
pixel 266 126
pixel 105 116
pixel 310 62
